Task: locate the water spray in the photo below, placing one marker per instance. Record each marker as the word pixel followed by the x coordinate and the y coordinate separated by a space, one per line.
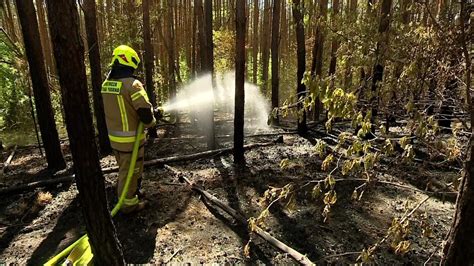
pixel 198 97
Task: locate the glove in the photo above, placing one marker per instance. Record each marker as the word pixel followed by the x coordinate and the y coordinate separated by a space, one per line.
pixel 158 112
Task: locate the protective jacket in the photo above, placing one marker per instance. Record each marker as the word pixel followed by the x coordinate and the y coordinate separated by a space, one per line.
pixel 122 99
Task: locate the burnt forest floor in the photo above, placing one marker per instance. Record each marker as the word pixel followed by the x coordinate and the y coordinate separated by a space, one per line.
pixel 178 227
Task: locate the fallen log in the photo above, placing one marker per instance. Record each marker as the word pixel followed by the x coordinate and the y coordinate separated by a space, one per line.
pixel 36 184
pixel 268 134
pixel 150 163
pixel 199 155
pixel 8 161
pixel 300 258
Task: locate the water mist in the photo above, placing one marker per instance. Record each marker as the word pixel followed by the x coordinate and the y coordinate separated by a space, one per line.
pixel 198 98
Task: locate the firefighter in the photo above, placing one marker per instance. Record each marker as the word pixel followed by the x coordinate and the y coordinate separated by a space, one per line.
pixel 126 104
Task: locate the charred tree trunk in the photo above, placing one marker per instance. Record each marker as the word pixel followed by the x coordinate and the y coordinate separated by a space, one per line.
pixel 44 109
pixel 149 60
pixel 458 249
pixel 378 69
pixel 208 45
pixel 69 54
pixel 240 25
pixel 96 76
pixel 201 39
pixel 301 68
pixel 318 48
pixel 209 67
pixel 275 57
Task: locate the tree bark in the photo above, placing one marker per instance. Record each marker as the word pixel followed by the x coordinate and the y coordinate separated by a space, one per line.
pixel 44 109
pixel 460 240
pixel 11 29
pixel 171 49
pixel 256 14
pixel 284 38
pixel 209 67
pixel 352 14
pixel 149 61
pixel 208 44
pixel 335 42
pixel 201 38
pixel 96 75
pixel 385 13
pixel 275 57
pixel 318 48
pixel 240 25
pixel 194 60
pixel 265 45
pixel 301 68
pixel 69 53
pixel 44 35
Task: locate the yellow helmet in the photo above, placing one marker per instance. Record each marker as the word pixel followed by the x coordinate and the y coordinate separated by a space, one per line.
pixel 126 56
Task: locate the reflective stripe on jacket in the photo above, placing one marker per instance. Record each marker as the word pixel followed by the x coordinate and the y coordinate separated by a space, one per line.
pixel 122 98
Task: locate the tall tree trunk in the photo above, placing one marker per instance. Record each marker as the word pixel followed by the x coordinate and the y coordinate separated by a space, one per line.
pixel 378 69
pixel 11 22
pixel 149 60
pixel 194 60
pixel 99 21
pixel 44 110
pixel 240 25
pixel 460 240
pixel 348 67
pixel 265 45
pixel 69 54
pixel 209 67
pixel 301 68
pixel 318 48
pixel 200 33
pixel 44 35
pixel 256 13
pixel 284 39
pixel 208 28
pixel 96 75
pixel 109 16
pixel 171 49
pixel 335 42
pixel 275 57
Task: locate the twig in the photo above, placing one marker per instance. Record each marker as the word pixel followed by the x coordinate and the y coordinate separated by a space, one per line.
pixel 432 193
pixel 377 245
pixel 339 255
pixel 8 161
pixel 172 256
pixel 13 45
pixel 434 252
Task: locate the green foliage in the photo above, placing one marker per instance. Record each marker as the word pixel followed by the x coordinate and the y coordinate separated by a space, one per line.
pixel 14 105
pixel 224 50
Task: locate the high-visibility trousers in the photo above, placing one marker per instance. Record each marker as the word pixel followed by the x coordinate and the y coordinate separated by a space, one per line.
pixel 123 160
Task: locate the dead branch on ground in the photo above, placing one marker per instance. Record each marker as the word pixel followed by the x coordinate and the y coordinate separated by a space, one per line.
pixel 150 163
pixel 300 258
